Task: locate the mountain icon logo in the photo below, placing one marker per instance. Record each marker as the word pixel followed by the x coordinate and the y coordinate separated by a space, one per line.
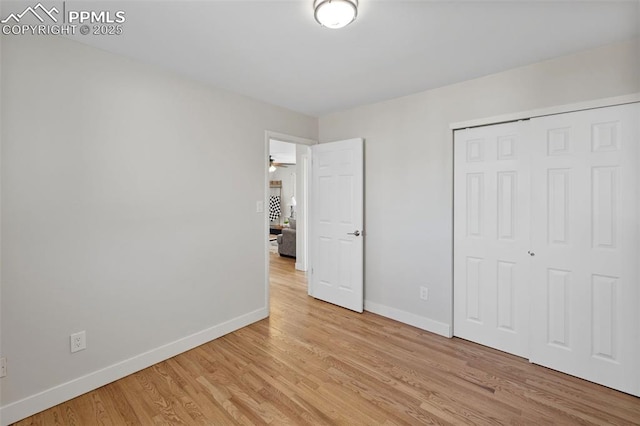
pixel 38 11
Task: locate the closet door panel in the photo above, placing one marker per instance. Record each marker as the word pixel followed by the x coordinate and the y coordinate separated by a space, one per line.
pixel 491 217
pixel 584 227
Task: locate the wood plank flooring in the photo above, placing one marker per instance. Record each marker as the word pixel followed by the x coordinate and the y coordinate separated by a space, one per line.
pixel 312 363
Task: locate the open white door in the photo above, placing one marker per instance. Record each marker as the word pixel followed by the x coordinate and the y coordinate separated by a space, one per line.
pixel 336 223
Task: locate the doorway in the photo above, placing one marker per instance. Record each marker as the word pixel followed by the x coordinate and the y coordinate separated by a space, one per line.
pixel 286 201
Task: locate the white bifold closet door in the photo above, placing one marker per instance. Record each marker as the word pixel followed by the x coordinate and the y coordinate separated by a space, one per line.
pixel 491 237
pixel 585 281
pixel 546 250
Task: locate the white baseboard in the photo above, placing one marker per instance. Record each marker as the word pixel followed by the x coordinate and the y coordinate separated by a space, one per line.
pixel 423 323
pixel 51 397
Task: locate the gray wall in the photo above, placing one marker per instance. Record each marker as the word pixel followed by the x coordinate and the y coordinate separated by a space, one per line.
pixel 116 184
pixel 409 176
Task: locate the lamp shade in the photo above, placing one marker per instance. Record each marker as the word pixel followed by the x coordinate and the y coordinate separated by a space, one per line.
pixel 335 13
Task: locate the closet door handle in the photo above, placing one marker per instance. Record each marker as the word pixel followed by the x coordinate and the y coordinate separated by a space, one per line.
pixel 531 253
pixel 356 233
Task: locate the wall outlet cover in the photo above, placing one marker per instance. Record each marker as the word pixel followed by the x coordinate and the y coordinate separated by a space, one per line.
pixel 424 293
pixel 78 341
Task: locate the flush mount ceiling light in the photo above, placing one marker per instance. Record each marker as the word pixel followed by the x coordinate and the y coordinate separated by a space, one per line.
pixel 335 13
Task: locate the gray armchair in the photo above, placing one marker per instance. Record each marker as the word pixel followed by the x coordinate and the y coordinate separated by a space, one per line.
pixel 287 241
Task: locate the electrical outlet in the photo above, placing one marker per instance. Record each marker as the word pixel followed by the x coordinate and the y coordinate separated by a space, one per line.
pixel 78 341
pixel 3 367
pixel 424 293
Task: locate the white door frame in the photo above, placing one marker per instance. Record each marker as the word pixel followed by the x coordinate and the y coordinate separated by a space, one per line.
pixel 303 180
pixel 268 136
pixel 523 115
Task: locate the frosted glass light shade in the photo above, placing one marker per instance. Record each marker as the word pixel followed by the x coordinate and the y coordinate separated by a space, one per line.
pixel 335 13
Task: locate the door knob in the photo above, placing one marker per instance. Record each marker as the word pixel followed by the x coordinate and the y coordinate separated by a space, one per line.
pixel 356 233
pixel 531 253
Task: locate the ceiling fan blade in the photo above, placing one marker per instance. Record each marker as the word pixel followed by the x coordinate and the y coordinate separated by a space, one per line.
pixel 278 164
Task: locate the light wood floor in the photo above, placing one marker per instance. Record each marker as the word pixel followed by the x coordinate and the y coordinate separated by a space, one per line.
pixel 314 363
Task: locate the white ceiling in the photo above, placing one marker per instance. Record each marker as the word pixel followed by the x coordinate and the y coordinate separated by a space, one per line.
pixel 275 52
